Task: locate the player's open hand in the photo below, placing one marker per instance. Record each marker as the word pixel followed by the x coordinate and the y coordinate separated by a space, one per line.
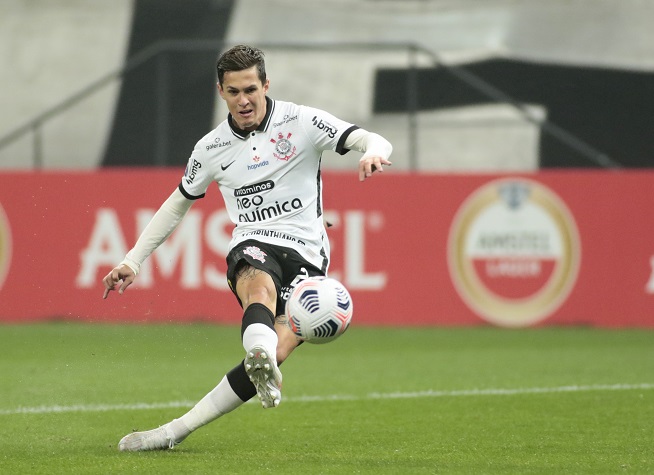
pixel 117 274
pixel 370 164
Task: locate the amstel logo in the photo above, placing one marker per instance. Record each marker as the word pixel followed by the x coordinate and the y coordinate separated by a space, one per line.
pixel 5 246
pixel 513 252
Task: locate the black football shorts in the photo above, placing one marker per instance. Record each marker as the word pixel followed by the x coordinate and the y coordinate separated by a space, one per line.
pixel 285 265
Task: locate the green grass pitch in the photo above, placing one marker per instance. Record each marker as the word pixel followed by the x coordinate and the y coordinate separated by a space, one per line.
pixel 378 400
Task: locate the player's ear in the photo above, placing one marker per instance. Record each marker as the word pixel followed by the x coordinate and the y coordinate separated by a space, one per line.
pixel 220 90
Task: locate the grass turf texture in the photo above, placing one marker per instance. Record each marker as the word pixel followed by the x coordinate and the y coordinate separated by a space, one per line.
pixel 400 401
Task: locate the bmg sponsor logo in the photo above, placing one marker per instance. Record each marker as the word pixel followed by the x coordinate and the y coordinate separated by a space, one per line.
pixel 192 170
pixel 5 246
pixel 328 128
pixel 513 252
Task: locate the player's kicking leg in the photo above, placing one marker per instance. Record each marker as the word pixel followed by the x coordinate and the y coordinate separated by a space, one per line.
pixel 263 372
pixel 261 368
pixel 260 343
pixel 258 295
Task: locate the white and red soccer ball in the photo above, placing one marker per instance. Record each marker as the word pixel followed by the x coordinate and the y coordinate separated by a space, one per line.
pixel 319 309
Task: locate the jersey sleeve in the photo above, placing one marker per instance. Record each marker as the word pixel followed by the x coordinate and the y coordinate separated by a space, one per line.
pixel 197 176
pixel 325 131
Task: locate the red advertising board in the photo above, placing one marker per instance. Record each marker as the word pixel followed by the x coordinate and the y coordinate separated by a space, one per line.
pixel 549 248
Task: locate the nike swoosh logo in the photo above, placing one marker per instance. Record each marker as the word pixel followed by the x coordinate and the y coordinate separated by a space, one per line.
pixel 225 167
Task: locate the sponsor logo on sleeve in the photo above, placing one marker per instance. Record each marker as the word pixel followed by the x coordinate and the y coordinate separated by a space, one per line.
pixel 192 170
pixel 325 126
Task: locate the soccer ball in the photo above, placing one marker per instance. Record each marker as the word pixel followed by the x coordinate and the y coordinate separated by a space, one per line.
pixel 319 309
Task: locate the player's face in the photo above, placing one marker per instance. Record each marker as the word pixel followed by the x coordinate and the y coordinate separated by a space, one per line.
pixel 245 97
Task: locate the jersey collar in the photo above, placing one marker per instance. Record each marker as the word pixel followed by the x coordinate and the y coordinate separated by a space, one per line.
pixel 242 134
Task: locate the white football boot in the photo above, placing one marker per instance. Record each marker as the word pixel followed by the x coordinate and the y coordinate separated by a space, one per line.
pixel 161 438
pixel 265 375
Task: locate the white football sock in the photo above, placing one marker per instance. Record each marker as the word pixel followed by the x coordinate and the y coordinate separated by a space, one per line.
pixel 221 400
pixel 260 334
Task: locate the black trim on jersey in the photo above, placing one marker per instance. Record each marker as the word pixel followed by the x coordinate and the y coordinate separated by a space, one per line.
pixel 323 267
pixel 187 196
pixel 243 134
pixel 318 189
pixel 270 108
pixel 325 261
pixel 340 146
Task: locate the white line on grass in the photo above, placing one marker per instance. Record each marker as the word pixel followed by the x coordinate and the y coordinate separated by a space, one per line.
pixel 336 397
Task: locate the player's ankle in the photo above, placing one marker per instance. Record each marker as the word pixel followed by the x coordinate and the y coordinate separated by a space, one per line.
pixel 179 430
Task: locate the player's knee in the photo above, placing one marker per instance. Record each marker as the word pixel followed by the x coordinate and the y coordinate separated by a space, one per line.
pixel 260 289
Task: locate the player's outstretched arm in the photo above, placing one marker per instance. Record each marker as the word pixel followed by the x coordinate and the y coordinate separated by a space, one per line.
pixel 163 223
pixel 120 273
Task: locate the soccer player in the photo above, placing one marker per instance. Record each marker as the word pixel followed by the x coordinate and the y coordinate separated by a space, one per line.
pixel 265 158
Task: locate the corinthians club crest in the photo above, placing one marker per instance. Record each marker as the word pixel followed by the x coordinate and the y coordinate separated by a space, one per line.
pixel 514 252
pixel 284 149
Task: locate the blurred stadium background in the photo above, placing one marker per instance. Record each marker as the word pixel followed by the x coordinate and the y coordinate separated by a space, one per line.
pixel 466 85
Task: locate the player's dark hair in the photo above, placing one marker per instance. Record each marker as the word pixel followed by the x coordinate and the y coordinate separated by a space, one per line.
pixel 241 57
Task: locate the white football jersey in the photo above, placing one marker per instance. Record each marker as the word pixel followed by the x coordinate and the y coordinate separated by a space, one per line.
pixel 270 178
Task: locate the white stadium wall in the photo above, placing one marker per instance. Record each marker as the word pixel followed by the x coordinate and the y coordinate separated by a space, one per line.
pixel 50 51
